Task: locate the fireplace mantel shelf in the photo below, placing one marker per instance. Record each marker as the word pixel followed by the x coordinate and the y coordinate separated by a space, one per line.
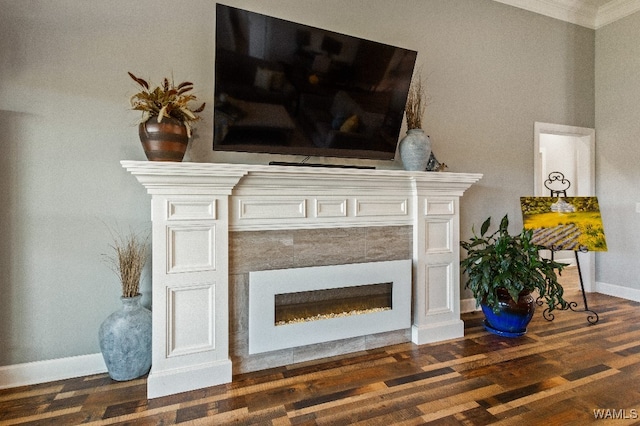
pixel 195 206
pixel 198 174
pixel 218 169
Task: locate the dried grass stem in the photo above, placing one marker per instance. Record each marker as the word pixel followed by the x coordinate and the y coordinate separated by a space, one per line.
pixel 127 260
pixel 416 103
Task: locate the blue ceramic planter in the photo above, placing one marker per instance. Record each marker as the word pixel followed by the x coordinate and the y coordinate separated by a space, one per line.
pixel 512 318
pixel 125 340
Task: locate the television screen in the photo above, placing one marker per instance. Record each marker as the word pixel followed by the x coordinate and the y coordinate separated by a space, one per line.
pixel 287 88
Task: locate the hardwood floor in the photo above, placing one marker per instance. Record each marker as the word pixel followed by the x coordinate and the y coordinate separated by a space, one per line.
pixel 558 373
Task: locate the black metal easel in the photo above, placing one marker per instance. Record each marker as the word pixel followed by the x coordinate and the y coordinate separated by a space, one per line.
pixel 558 185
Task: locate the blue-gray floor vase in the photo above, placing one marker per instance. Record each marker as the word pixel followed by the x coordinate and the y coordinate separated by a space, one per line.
pixel 125 340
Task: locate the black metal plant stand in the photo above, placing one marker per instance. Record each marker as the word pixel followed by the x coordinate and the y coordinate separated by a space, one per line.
pixel 557 180
pixel 592 318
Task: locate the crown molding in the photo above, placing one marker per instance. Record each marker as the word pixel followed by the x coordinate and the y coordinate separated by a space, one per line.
pixel 573 11
pixel 614 10
pixel 579 12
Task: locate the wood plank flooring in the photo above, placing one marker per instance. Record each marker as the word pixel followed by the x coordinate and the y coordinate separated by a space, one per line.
pixel 557 374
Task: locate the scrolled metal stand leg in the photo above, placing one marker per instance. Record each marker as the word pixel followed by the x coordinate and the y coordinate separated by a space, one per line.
pixel 593 318
pixel 546 314
pixel 549 316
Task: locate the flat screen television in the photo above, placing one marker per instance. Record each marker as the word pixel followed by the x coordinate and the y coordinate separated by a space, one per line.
pixel 288 88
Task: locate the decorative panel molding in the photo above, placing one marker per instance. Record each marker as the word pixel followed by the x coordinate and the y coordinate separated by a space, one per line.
pixel 191 319
pixel 381 207
pixel 186 209
pixel 439 280
pixel 438 236
pixel 271 208
pixel 330 207
pixel 439 206
pixel 190 248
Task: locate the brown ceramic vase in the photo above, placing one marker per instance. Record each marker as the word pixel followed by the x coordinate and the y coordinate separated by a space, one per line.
pixel 164 141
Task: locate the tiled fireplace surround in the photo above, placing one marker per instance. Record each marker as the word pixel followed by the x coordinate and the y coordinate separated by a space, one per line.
pixel 286 249
pixel 213 224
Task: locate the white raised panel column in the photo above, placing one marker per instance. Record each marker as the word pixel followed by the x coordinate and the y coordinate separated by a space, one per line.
pixel 190 282
pixel 436 281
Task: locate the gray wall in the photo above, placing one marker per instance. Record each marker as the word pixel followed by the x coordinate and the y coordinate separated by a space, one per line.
pixel 618 151
pixel 491 71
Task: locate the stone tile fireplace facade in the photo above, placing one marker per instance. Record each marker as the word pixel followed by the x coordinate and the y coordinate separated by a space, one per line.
pixel 252 251
pixel 214 224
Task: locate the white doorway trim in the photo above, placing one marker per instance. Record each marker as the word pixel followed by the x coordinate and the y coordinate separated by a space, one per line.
pixel 584 156
pixel 577 148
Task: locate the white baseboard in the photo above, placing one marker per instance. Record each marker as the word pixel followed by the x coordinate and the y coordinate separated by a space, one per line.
pixel 85 365
pixel 618 291
pixel 178 380
pixel 438 332
pixel 31 373
pixel 468 305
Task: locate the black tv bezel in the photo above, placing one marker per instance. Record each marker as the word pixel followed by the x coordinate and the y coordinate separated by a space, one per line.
pixel 314 151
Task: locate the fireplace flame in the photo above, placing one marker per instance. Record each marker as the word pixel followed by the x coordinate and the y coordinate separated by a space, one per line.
pixel 332 315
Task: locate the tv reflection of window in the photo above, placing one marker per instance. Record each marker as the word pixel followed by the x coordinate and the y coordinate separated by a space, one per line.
pixel 331 46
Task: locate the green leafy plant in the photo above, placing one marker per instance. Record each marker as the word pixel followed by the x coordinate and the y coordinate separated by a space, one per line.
pixel 513 262
pixel 166 100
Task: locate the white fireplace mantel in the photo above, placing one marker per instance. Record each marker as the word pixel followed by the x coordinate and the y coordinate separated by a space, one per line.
pixel 195 205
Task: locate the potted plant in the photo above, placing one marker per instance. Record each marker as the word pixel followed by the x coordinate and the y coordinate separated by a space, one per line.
pixel 125 336
pixel 165 127
pixel 415 147
pixel 503 270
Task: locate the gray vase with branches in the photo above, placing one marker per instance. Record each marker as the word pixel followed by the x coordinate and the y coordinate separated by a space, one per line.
pixel 125 336
pixel 415 147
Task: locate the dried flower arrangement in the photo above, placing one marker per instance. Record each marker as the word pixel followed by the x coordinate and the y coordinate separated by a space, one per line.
pixel 416 103
pixel 128 259
pixel 167 100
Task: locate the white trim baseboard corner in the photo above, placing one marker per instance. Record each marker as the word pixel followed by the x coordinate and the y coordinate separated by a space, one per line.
pixel 618 291
pixel 30 373
pixel 468 305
